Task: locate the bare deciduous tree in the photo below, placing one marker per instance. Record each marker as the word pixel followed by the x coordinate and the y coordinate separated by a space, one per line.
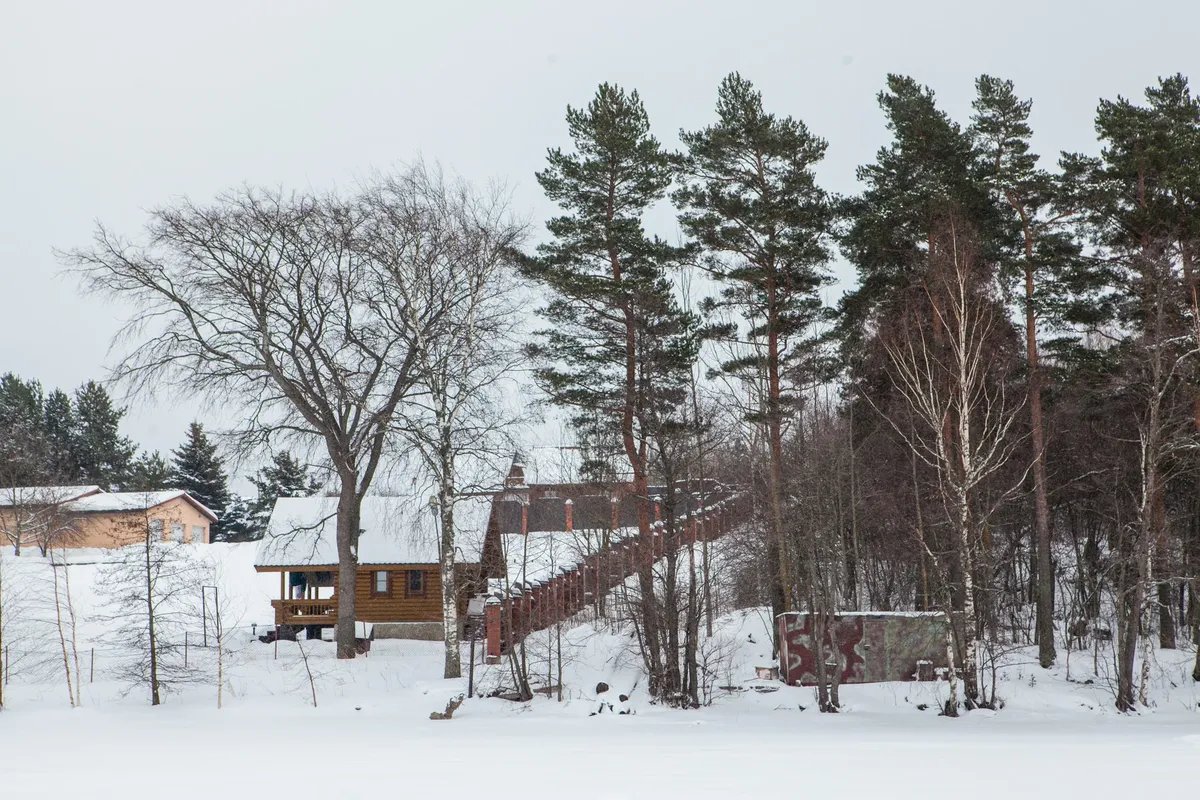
pixel 457 418
pixel 965 422
pixel 311 310
pixel 153 588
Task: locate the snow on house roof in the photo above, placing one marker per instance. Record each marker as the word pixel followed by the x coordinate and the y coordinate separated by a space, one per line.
pixel 400 529
pixel 42 495
pixel 132 501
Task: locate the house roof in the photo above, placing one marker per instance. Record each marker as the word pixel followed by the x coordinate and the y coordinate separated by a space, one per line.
pixel 133 501
pixel 396 529
pixel 42 495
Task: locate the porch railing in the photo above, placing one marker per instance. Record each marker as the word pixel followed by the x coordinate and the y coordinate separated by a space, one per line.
pixel 305 612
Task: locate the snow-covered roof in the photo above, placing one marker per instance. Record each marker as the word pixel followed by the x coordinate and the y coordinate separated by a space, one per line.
pixel 132 501
pixel 42 495
pixel 401 529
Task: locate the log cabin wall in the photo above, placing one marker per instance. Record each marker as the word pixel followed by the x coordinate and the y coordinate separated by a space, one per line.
pixel 402 605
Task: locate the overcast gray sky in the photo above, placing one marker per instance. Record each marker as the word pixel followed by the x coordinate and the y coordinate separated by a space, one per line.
pixel 110 108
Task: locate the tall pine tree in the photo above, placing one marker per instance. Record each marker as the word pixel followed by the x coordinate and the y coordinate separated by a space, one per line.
pixel 1044 250
pixel 751 202
pixel 1143 202
pixel 619 352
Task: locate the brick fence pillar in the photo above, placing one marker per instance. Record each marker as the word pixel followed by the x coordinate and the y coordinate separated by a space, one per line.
pixel 491 619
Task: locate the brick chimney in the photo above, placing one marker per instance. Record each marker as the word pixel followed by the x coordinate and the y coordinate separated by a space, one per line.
pixel 516 473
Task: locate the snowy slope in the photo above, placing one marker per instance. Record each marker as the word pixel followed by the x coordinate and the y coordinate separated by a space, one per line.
pixel 1057 728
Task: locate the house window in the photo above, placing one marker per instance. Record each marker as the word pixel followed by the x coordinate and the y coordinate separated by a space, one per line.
pixel 381 583
pixel 156 529
pixel 415 586
pixel 177 532
pixel 197 534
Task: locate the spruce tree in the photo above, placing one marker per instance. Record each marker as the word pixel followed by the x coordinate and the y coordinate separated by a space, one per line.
pixel 197 469
pixel 285 476
pixel 60 430
pixel 619 350
pixel 751 202
pixel 149 473
pixel 236 524
pixel 102 454
pixel 22 432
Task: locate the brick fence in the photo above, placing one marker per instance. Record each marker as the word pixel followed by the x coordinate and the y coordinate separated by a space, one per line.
pixel 513 614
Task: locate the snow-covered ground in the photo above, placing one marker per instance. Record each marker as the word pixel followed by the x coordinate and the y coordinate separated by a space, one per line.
pixel 370 735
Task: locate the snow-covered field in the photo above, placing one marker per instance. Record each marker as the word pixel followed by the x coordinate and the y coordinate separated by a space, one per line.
pixel 369 734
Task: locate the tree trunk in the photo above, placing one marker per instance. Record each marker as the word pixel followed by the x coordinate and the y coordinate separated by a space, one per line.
pixel 776 544
pixel 152 635
pixel 348 516
pixel 453 660
pixel 1041 505
pixel 970 662
pixel 1037 437
pixel 1166 620
pixel 62 637
pixel 1129 608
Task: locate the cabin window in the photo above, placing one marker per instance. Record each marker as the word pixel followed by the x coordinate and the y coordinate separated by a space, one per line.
pixel 197 534
pixel 381 583
pixel 156 529
pixel 416 583
pixel 177 532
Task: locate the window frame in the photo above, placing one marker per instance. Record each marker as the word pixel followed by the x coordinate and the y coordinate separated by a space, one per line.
pixel 408 583
pixel 375 583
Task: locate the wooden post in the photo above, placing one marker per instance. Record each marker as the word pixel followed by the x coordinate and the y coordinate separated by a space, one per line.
pixel 471 671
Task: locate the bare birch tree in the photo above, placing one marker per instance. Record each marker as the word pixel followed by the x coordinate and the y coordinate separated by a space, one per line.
pixel 965 422
pixel 457 418
pixel 153 589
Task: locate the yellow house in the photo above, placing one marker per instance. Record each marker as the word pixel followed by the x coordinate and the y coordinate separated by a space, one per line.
pixel 86 516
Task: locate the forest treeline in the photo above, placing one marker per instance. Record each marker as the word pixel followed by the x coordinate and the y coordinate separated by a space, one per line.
pixel 998 421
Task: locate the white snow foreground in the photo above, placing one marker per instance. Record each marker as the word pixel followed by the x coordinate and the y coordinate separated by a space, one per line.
pixel 370 734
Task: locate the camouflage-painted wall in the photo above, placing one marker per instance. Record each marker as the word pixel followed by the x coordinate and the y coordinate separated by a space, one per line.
pixel 873 647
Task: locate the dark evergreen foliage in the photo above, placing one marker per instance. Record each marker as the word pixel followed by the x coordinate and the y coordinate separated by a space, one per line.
pixel 149 473
pixel 103 456
pixel 615 321
pixel 197 468
pixel 285 476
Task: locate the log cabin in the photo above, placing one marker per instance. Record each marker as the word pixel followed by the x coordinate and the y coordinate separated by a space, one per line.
pixel 521 535
pixel 398 588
